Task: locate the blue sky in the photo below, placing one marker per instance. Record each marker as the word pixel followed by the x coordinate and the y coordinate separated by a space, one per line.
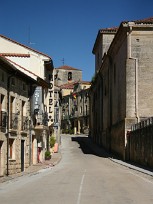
pixel 67 28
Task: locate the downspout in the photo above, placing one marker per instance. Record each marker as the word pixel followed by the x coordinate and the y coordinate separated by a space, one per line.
pixel 30 126
pixel 8 121
pixel 136 71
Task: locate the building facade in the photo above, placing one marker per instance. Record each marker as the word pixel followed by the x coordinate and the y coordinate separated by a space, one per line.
pixel 75 109
pixel 66 74
pixel 15 117
pixel 121 93
pixel 39 65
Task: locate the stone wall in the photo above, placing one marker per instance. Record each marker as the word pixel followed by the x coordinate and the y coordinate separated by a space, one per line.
pixel 140 143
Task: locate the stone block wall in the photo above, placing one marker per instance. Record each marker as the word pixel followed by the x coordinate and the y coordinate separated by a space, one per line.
pixel 140 143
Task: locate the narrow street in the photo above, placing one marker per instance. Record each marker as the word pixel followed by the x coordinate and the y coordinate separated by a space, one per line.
pixel 81 177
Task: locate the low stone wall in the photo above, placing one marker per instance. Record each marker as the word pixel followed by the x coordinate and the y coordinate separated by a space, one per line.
pixel 140 143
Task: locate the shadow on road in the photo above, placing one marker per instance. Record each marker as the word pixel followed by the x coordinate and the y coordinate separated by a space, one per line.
pixel 88 147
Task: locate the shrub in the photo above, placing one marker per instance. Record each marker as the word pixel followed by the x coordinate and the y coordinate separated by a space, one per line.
pixel 71 131
pixel 47 155
pixel 52 141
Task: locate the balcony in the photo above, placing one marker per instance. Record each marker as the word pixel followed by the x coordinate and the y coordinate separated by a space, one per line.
pixel 41 121
pixel 14 121
pixel 76 114
pixel 24 126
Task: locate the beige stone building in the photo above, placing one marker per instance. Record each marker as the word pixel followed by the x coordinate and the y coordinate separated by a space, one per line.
pixel 15 115
pixel 75 108
pixel 121 93
pixel 38 66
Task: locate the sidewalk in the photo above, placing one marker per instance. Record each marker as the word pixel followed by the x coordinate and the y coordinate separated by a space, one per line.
pixel 101 152
pixel 33 169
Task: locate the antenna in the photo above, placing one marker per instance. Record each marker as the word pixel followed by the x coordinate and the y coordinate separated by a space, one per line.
pixel 29 37
pixel 63 60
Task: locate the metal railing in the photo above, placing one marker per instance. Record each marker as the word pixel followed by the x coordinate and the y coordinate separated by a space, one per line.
pixel 14 121
pixel 3 119
pixel 24 126
pixel 42 119
pixel 142 124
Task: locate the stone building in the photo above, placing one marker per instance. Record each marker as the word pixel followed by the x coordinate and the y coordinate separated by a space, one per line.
pixel 75 108
pixel 122 93
pixel 31 61
pixel 15 115
pixel 66 74
pixel 61 76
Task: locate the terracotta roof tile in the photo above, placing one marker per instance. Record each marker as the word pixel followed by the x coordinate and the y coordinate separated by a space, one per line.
pixel 144 21
pixel 110 30
pixel 68 85
pixel 14 55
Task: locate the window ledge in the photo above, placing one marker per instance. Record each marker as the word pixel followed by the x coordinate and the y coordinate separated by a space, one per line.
pixel 12 160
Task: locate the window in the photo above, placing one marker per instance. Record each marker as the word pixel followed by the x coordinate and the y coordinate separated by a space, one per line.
pixel 80 109
pixel 12 112
pixel 86 108
pixel 80 97
pixel 2 113
pixel 69 76
pixel 50 77
pixel 24 121
pixel 11 148
pixel 13 81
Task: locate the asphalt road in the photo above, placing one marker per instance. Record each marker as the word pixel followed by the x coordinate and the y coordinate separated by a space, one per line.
pixel 81 177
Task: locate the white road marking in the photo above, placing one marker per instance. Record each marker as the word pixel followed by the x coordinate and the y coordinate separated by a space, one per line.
pixel 80 189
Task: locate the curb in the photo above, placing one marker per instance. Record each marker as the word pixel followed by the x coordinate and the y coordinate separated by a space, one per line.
pixel 130 166
pixel 99 151
pixel 36 168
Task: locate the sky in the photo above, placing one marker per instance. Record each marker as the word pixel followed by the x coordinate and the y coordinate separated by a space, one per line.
pixel 67 29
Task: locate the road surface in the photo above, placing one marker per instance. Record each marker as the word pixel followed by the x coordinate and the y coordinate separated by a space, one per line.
pixel 81 177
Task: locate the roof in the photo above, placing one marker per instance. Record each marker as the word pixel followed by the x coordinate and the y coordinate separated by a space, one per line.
pixel 66 67
pixel 14 55
pixel 27 73
pixel 113 30
pixel 147 23
pixel 142 21
pixel 13 69
pixel 68 85
pixel 9 39
pixel 108 30
pixel 19 66
pixel 84 82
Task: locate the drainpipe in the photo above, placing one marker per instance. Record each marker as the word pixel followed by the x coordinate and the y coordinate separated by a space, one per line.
pixel 136 90
pixel 136 69
pixel 30 126
pixel 8 121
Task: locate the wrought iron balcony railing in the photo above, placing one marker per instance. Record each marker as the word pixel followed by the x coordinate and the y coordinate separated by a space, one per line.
pixel 41 119
pixel 14 121
pixel 3 119
pixel 24 126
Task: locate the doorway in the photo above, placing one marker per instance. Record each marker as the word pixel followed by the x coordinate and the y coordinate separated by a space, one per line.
pixel 22 155
pixel 0 157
